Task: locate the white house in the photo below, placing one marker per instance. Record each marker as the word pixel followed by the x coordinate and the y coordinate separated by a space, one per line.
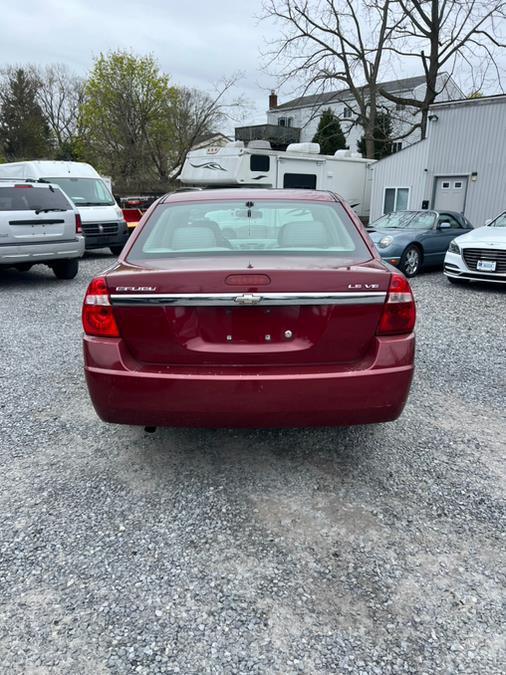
pixel 304 113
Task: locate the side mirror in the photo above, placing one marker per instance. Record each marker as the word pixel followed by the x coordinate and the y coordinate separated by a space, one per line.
pixel 444 225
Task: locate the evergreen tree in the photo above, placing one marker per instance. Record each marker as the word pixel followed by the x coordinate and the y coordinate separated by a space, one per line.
pixel 24 132
pixel 382 136
pixel 329 134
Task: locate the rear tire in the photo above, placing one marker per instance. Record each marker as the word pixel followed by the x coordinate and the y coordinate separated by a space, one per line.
pixel 116 250
pixel 24 267
pixel 66 269
pixel 459 282
pixel 411 261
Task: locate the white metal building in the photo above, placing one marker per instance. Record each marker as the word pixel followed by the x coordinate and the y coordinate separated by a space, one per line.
pixel 460 166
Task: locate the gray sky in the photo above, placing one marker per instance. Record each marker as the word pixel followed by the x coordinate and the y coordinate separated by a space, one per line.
pixel 196 42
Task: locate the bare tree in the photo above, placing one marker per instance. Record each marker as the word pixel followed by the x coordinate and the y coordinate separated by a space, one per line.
pixel 193 115
pixel 60 97
pixel 446 36
pixel 350 42
pixel 324 42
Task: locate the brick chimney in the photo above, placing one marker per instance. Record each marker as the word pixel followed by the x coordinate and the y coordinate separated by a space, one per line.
pixel 273 100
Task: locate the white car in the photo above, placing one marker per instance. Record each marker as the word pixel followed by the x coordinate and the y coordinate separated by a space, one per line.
pixel 479 255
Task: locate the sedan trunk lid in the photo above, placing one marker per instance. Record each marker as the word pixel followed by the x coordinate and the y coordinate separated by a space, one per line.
pixel 226 312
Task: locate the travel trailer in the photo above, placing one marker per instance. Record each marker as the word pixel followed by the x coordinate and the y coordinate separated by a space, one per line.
pixel 102 220
pixel 300 166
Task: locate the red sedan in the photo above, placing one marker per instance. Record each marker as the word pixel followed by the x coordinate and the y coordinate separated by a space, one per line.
pixel 255 308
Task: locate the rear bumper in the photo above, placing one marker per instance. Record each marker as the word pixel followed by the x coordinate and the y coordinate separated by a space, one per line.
pixel 228 397
pixel 41 252
pixel 456 268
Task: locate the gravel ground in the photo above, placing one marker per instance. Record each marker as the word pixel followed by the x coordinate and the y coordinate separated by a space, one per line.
pixel 363 550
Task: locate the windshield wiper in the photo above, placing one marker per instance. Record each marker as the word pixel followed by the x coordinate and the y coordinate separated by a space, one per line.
pixel 37 211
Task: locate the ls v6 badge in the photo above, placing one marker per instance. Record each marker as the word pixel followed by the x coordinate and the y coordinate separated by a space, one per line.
pixel 368 286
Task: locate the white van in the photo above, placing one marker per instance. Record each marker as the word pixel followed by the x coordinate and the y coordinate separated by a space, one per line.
pixel 102 219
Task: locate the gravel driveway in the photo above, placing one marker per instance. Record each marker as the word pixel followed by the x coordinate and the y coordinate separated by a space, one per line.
pixel 363 550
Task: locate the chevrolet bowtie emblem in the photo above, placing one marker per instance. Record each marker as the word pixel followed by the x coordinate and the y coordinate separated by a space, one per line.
pixel 248 299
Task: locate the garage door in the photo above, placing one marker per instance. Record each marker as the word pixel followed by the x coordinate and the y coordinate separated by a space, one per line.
pixel 450 193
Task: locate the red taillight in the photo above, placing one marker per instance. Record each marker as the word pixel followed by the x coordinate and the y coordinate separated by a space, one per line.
pixel 79 224
pixel 98 316
pixel 399 311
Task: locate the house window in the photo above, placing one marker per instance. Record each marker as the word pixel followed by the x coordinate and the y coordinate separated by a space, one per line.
pixel 281 122
pixel 397 146
pixel 347 112
pixel 445 185
pixel 458 185
pixel 289 122
pixel 395 199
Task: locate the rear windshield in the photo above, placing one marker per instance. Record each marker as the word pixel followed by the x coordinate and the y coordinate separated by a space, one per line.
pixel 32 198
pixel 85 191
pixel 261 227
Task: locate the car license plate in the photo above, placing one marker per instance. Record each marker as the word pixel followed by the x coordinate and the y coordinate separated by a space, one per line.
pixel 486 265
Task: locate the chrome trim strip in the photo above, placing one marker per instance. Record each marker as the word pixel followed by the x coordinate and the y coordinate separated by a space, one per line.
pixel 249 299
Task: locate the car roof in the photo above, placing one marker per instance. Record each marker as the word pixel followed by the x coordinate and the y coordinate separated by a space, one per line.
pixel 249 193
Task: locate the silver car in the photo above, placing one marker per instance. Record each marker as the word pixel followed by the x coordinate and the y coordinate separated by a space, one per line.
pixel 39 225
